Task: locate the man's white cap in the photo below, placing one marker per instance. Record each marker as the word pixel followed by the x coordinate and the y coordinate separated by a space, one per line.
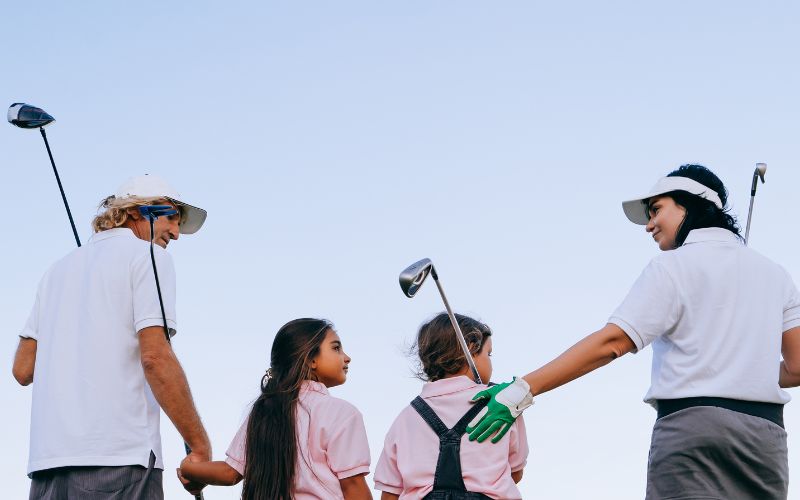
pixel 636 209
pixel 153 186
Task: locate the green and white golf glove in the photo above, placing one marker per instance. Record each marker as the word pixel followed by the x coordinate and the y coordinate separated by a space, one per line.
pixel 506 402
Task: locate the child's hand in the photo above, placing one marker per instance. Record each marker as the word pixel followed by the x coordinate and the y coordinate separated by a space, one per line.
pixel 193 487
pixel 506 402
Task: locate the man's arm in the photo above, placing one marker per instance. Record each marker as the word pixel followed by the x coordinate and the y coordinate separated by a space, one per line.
pixel 171 389
pixel 790 366
pixel 24 361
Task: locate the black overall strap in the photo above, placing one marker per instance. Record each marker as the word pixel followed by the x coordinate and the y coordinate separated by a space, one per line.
pixel 448 476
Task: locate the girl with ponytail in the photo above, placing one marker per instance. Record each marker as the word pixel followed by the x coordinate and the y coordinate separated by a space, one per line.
pixel 298 441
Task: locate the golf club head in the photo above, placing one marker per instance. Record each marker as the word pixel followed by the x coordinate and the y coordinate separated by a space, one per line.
pixel 761 170
pixel 26 116
pixel 156 211
pixel 412 277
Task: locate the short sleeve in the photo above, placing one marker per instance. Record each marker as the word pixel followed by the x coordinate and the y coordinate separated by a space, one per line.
pixel 518 446
pixel 791 308
pixel 387 473
pixel 31 330
pixel 146 307
pixel 347 448
pixel 236 453
pixel 651 308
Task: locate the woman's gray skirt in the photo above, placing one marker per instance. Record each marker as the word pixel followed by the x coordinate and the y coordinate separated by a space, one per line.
pixel 709 453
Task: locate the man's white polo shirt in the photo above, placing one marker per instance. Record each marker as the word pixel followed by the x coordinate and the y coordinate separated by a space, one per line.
pixel 715 311
pixel 91 402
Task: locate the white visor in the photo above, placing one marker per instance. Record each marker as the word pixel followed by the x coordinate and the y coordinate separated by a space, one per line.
pixel 636 209
pixel 153 186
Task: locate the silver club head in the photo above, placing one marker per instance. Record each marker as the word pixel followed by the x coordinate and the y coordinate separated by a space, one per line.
pixel 412 277
pixel 761 170
pixel 26 116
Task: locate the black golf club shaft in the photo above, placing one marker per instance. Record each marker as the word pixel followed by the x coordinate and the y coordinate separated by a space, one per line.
pixel 60 187
pixel 164 316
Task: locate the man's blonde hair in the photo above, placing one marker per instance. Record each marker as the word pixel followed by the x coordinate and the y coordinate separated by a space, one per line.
pixel 115 211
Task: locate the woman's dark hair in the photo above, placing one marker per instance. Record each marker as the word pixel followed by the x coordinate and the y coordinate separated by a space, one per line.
pixel 271 446
pixel 438 349
pixel 700 212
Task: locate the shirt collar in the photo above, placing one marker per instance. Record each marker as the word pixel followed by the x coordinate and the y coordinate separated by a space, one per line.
pixel 448 386
pixel 110 233
pixel 313 385
pixel 711 234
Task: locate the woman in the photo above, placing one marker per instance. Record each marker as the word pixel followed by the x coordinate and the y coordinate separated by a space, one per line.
pixel 719 316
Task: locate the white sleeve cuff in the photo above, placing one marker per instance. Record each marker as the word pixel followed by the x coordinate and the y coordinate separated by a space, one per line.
pixel 630 331
pixel 148 322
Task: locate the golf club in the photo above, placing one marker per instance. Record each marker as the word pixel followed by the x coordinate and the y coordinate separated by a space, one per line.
pixel 26 116
pixel 151 213
pixel 760 171
pixel 411 280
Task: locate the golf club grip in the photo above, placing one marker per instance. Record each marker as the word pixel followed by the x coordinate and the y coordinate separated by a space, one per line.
pixel 199 496
pixel 459 335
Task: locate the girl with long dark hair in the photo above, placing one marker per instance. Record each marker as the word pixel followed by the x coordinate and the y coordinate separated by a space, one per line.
pixel 298 441
pixel 719 316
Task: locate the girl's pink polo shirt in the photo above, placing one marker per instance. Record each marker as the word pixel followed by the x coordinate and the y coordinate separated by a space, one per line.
pixel 411 448
pixel 332 444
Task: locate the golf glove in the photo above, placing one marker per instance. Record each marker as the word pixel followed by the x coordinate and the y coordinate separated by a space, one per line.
pixel 506 402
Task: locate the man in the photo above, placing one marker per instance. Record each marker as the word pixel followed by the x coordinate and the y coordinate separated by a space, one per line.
pixel 96 348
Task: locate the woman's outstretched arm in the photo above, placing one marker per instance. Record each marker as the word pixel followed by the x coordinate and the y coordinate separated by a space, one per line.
pixel 508 400
pixel 594 351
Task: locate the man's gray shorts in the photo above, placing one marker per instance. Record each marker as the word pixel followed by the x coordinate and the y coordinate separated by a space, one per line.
pixel 130 482
pixel 712 453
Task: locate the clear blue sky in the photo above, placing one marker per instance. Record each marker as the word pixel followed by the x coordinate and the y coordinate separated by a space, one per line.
pixel 333 143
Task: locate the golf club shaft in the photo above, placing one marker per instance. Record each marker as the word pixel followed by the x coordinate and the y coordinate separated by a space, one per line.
pixel 459 335
pixel 749 217
pixel 164 317
pixel 60 187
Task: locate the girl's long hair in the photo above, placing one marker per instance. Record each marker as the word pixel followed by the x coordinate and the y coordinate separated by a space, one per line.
pixel 271 445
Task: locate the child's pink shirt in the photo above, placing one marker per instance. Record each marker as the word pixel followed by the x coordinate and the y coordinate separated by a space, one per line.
pixel 411 448
pixel 332 444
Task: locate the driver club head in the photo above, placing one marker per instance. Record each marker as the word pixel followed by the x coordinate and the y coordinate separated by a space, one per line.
pixel 412 277
pixel 155 211
pixel 26 116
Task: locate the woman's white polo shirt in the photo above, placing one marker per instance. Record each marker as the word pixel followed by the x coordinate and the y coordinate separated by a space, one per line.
pixel 715 311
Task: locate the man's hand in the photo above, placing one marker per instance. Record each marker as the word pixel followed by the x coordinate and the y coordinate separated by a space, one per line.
pixel 506 402
pixel 192 487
